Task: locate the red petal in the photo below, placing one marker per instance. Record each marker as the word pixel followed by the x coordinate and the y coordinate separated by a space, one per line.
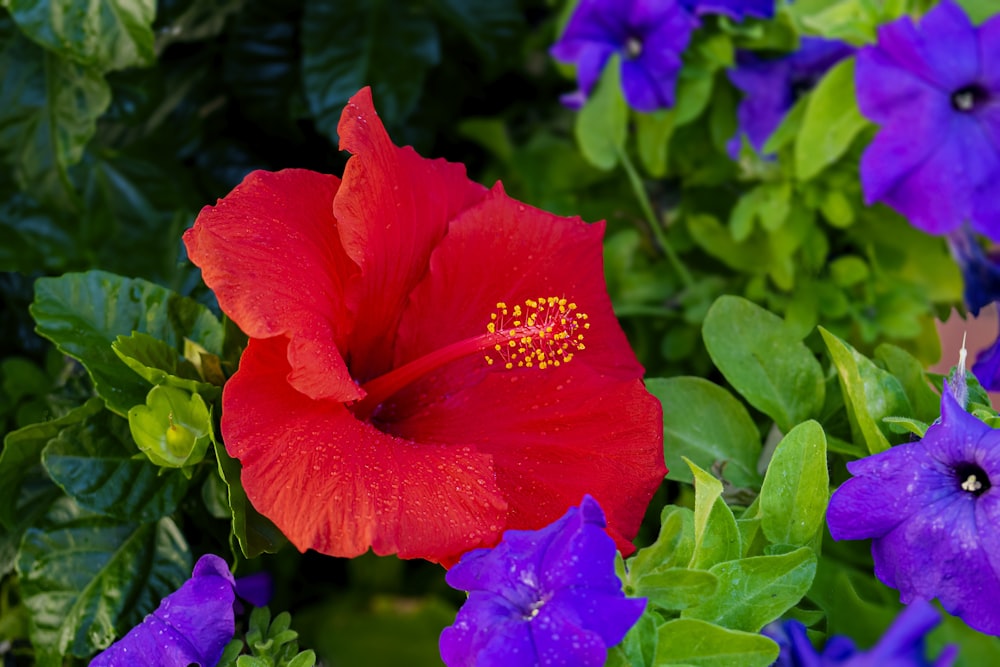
pixel 393 207
pixel 340 486
pixel 271 253
pixel 588 426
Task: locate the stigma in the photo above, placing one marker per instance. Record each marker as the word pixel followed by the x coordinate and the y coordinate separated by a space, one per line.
pixel 543 333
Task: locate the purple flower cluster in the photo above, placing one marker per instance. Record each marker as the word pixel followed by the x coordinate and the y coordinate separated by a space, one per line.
pixel 648 35
pixel 541 597
pixel 931 510
pixel 901 646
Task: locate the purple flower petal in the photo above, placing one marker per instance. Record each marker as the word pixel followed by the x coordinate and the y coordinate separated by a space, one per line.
pixel 256 588
pixel 980 269
pixel 734 9
pixel 987 367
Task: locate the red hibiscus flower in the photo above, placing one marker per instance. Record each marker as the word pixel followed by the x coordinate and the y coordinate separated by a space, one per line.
pixel 430 362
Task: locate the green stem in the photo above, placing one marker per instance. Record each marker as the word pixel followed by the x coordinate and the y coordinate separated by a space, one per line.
pixel 654 223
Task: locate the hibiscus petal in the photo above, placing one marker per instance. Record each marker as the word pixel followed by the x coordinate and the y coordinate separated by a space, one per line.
pixel 270 252
pixel 392 207
pixel 339 485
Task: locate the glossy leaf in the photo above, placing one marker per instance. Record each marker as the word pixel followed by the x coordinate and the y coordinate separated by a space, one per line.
pixel 253 532
pixel 764 361
pixel 85 578
pixel 488 25
pixel 601 124
pixel 706 424
pixel 160 363
pixel 83 313
pixel 796 488
pixel 694 642
pixel 95 462
pixel 752 592
pixel 106 34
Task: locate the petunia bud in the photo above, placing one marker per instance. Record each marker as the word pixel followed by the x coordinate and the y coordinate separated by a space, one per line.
pixel 174 427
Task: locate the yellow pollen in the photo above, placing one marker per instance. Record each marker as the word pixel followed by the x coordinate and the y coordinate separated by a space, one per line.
pixel 972 484
pixel 544 333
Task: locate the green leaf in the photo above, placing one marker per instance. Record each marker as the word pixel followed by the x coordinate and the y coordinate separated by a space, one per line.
pixel 704 423
pixel 754 591
pixel 700 644
pixel 602 123
pixel 910 372
pixel 796 487
pixel 676 588
pixel 254 532
pixel 94 462
pixel 159 363
pixel 870 393
pixel 86 578
pixel 354 43
pixel 830 123
pixel 49 114
pixel 22 452
pixel 652 138
pixel 673 547
pixel 716 536
pixel 488 25
pixel 83 313
pixel 106 34
pixel 173 428
pixel 639 646
pixel 764 361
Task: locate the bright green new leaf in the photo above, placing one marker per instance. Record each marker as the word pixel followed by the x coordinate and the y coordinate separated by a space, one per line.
pixel 796 487
pixel 764 361
pixel 173 428
pixel 104 34
pixel 716 536
pixel 83 577
pixel 83 313
pixel 254 532
pixel 673 547
pixel 830 123
pixel 870 393
pixel 601 124
pixel 159 363
pixel 693 642
pixel 94 462
pixel 754 591
pixel 704 423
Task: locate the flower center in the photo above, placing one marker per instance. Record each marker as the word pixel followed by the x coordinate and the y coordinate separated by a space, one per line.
pixel 968 98
pixel 973 479
pixel 543 333
pixel 633 48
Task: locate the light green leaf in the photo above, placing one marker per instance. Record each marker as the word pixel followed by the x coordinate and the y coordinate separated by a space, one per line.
pixel 677 587
pixel 159 363
pixel 83 313
pixel 602 122
pixel 700 644
pixel 796 487
pixel 652 138
pixel 716 536
pixel 831 122
pixel 754 591
pixel 673 547
pixel 704 423
pixel 764 361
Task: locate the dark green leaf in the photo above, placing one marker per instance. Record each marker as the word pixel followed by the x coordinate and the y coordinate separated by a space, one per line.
pixel 796 487
pixel 355 43
pixel 95 462
pixel 752 592
pixel 160 363
pixel 254 532
pixel 83 313
pixel 86 578
pixel 764 361
pixel 700 644
pixel 106 34
pixel 910 372
pixel 703 422
pixel 489 25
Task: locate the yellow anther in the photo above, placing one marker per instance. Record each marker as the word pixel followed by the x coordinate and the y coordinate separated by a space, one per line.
pixel 543 332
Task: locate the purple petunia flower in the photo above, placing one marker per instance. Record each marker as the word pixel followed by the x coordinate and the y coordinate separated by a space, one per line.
pixel 901 646
pixel 771 86
pixel 650 36
pixel 987 367
pixel 541 597
pixel 980 269
pixel 193 624
pixel 734 9
pixel 932 513
pixel 935 92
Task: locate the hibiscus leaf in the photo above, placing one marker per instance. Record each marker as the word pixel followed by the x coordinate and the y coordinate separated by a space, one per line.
pixel 752 592
pixel 706 424
pixel 83 313
pixel 695 642
pixel 253 531
pixel 49 114
pixel 601 125
pixel 86 578
pixel 160 363
pixel 94 462
pixel 764 361
pixel 870 394
pixel 489 25
pixel 106 34
pixel 830 123
pixel 796 488
pixel 354 43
